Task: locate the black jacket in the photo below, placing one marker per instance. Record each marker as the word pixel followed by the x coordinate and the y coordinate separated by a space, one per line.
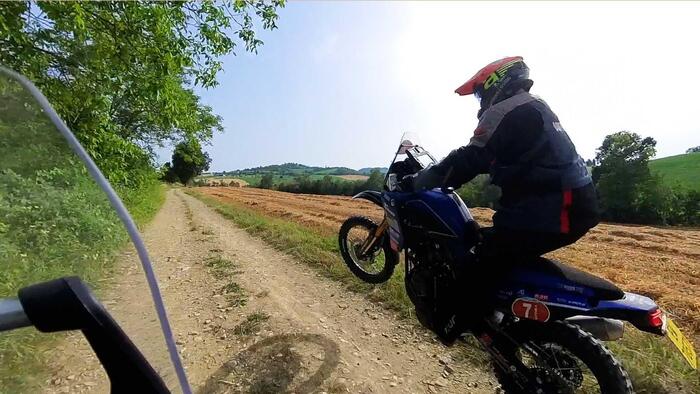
pixel 544 182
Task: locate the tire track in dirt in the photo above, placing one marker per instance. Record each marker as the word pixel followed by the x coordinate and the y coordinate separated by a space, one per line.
pixel 310 334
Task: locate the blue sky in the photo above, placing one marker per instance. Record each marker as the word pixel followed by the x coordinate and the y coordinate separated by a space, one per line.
pixel 339 82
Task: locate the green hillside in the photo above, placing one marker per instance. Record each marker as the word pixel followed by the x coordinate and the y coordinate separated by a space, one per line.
pixel 292 169
pixel 681 170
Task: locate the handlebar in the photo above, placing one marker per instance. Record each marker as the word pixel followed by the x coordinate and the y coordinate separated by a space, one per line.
pixel 12 315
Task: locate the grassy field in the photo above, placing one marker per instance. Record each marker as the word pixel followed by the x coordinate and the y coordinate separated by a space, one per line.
pixel 683 170
pixel 655 366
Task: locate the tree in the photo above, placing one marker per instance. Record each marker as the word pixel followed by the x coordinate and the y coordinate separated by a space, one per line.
pixel 121 73
pixel 189 160
pixel 479 192
pixel 267 181
pixel 167 173
pixel 627 190
pixel 375 180
pixel 695 149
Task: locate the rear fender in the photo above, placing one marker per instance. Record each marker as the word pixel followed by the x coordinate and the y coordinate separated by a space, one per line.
pixel 642 312
pixel 370 195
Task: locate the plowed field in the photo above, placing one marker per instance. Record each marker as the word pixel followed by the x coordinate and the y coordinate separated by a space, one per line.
pixel 662 263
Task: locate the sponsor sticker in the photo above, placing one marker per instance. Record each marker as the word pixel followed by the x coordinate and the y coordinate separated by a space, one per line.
pixel 527 308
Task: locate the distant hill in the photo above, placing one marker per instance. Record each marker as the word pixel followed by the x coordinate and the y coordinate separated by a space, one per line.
pixel 681 170
pixel 293 169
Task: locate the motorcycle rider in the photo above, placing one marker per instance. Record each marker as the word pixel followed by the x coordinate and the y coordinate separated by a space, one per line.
pixel 548 200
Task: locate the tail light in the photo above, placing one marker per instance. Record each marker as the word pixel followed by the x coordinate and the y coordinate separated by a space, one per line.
pixel 657 320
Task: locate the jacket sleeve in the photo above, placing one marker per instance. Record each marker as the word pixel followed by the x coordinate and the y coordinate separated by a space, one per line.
pixel 458 168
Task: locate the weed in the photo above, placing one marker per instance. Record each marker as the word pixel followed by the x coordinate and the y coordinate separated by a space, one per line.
pixel 251 324
pixel 220 266
pixel 235 295
pixel 208 231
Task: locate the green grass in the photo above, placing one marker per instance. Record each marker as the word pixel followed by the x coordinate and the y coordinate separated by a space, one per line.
pixel 144 203
pixel 222 268
pixel 219 266
pixel 682 170
pixel 251 324
pixel 654 365
pixel 56 231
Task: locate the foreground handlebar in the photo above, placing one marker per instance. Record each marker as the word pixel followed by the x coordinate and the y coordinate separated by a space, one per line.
pixel 12 315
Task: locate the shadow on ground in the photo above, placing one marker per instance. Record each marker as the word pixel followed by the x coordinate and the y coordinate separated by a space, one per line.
pixel 297 363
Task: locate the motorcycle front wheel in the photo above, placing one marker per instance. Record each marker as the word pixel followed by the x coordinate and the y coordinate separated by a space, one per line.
pixel 375 266
pixel 559 358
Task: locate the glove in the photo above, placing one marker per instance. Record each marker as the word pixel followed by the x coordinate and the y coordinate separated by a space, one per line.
pixel 406 183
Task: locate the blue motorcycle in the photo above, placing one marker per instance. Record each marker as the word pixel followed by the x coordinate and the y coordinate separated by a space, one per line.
pixel 548 320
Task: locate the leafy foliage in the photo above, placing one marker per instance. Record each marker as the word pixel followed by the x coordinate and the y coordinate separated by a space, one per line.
pixel 120 73
pixel 622 175
pixel 695 149
pixel 630 193
pixel 479 192
pixel 266 182
pixel 188 161
pixel 54 220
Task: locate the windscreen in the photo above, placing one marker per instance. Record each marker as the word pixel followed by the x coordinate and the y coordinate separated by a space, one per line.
pixel 423 157
pixel 409 140
pixel 55 221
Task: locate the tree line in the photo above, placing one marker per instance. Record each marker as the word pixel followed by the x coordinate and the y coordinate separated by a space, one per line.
pixel 328 185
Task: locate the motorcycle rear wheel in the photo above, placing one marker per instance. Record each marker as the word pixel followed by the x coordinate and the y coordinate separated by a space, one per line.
pixel 376 268
pixel 581 363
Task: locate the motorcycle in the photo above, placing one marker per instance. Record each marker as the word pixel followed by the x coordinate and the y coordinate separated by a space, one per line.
pixel 548 320
pixel 61 219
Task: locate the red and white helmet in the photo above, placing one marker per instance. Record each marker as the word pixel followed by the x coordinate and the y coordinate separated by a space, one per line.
pixel 497 81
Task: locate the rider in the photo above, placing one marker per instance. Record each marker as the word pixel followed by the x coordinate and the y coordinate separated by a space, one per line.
pixel 547 197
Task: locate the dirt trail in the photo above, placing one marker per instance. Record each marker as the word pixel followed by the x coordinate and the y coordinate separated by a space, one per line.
pixel 296 332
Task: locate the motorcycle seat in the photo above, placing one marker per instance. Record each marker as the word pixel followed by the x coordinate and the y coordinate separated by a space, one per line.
pixel 603 289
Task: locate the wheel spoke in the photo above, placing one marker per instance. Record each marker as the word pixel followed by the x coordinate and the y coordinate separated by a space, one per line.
pixel 357 237
pixel 543 359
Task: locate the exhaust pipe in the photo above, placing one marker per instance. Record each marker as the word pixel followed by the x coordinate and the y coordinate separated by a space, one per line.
pixel 600 327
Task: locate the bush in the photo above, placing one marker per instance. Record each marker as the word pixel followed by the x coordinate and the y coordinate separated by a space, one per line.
pixel 479 192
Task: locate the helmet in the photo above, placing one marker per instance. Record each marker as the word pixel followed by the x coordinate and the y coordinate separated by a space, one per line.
pixel 497 81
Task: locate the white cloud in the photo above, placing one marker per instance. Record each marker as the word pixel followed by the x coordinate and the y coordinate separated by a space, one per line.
pixel 602 67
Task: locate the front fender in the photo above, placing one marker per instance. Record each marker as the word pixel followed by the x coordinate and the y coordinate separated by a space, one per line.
pixel 370 195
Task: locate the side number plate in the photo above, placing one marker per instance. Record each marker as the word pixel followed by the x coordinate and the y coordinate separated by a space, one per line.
pixel 532 309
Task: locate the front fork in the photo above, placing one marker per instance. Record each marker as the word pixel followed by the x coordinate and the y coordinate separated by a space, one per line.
pixel 374 237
